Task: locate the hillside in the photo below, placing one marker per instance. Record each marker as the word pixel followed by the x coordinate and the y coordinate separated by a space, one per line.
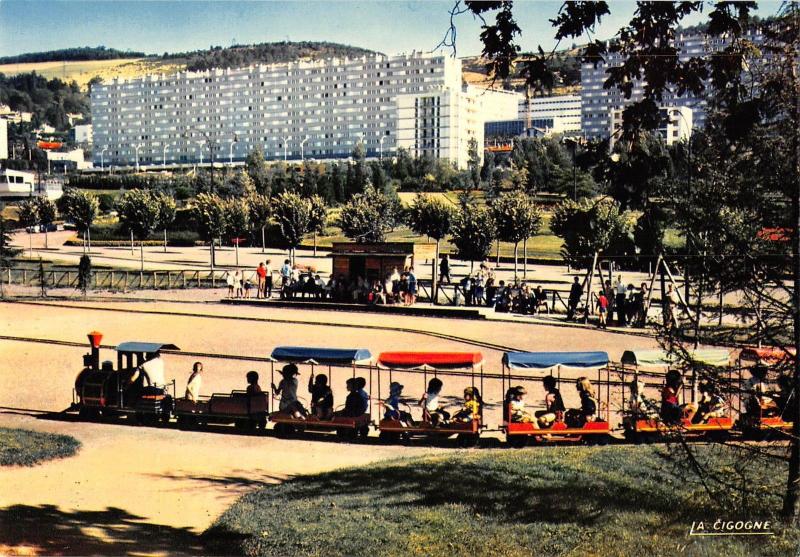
pixel 82 71
pixel 84 53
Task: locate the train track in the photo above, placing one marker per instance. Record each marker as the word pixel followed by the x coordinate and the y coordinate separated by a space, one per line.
pixel 411 330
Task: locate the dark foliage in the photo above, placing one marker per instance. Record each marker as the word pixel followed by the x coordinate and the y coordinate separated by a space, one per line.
pixel 72 55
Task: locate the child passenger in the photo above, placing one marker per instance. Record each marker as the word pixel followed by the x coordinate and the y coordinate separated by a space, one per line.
pixel 472 406
pixel 554 404
pixel 432 413
pixel 671 410
pixel 711 404
pixel 253 388
pixel 759 401
pixel 321 397
pixel 287 388
pixel 516 406
pixel 392 405
pixel 355 404
pixel 588 409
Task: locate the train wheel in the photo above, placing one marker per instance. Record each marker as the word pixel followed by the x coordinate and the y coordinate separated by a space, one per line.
pixel 283 431
pixel 88 413
pixel 467 440
pixel 517 441
pixel 389 437
pixel 363 431
pixel 347 434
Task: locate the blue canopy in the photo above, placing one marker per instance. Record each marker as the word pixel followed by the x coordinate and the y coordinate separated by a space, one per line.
pixel 544 360
pixel 332 356
pixel 137 347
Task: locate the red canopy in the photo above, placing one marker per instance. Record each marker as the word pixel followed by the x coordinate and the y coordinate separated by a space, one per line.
pixel 768 354
pixel 775 234
pixel 436 360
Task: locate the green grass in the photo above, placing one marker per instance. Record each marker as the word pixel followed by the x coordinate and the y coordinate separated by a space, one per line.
pixel 546 501
pixel 26 448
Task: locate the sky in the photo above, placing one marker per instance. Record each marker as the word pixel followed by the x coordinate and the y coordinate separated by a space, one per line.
pixel 155 27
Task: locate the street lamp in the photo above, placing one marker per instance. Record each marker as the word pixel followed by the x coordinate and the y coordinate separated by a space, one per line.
pixel 302 154
pixel 380 147
pixel 137 147
pixel 200 150
pixel 212 146
pixel 102 151
pixel 164 154
pixel 230 152
pixel 285 146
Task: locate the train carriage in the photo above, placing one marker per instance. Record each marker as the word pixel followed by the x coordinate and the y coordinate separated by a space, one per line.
pixel 645 424
pixel 345 427
pixel 434 364
pixel 758 423
pixel 244 410
pixel 523 363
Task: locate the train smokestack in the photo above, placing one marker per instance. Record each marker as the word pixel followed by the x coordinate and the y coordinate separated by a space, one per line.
pixel 94 341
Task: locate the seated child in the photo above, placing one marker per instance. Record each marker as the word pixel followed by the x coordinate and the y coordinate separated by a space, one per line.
pixel 588 410
pixel 321 397
pixel 759 402
pixel 354 404
pixel 360 384
pixel 431 412
pixel 253 388
pixel 392 405
pixel 710 405
pixel 473 403
pixel 671 410
pixel 287 388
pixel 554 404
pixel 516 406
pixel 638 405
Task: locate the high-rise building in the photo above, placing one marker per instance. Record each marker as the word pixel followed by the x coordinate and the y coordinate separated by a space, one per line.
pixel 309 109
pixel 563 110
pixel 598 103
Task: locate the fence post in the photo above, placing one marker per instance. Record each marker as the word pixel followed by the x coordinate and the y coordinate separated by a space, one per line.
pixel 126 279
pixel 155 280
pixel 183 278
pixel 213 279
pixel 198 278
pixel 24 277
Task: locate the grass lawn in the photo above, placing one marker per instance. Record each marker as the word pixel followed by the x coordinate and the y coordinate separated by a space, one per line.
pixel 26 448
pixel 616 500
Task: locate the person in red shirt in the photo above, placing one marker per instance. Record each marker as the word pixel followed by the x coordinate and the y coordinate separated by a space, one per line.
pixel 602 304
pixel 262 279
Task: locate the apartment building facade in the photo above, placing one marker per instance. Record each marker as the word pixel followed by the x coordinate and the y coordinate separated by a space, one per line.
pixel 308 109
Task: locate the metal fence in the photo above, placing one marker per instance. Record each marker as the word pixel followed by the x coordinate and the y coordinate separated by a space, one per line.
pixel 103 279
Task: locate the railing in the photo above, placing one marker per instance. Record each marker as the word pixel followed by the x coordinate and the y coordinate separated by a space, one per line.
pixel 104 279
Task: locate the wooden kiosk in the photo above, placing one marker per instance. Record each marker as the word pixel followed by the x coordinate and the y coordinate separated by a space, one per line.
pixel 375 261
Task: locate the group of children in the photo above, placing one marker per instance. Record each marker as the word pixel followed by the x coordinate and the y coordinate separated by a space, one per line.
pixel 322 407
pixel 433 411
pixel 554 409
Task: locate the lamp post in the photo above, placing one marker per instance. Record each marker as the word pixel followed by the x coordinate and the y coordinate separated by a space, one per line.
pixel 137 147
pixel 200 150
pixel 102 151
pixel 302 154
pixel 285 147
pixel 380 147
pixel 230 151
pixel 164 155
pixel 212 144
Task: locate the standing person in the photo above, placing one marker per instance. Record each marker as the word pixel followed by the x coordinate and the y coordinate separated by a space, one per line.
pixel 641 316
pixel 237 279
pixel 631 304
pixel 669 304
pixel 602 307
pixel 231 281
pixel 619 301
pixel 444 269
pixel 261 273
pixel 286 273
pixel 268 279
pixel 194 383
pixel 411 279
pixel 395 279
pixel 609 292
pixel 575 295
pixel 480 284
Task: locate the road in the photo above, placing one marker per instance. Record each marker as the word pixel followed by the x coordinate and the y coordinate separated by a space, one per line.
pixel 135 490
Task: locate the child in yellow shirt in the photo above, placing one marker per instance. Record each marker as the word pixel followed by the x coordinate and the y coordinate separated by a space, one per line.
pixel 472 406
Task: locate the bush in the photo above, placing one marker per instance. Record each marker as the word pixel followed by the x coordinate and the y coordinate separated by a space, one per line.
pixel 106 201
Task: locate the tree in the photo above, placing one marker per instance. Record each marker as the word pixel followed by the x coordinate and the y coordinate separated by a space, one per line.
pixel 292 214
pixel 237 222
pixel 84 274
pixel 260 209
pixel 81 208
pixel 208 213
pixel 432 217
pixel 167 212
pixel 28 215
pixel 257 170
pixel 473 232
pixel 240 185
pixel 138 215
pixel 592 227
pixel 369 216
pixel 47 214
pixel 7 252
pixel 474 163
pixel 517 218
pixel 318 218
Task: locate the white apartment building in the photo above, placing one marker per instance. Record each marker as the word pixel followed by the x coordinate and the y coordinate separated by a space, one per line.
pixel 3 139
pixel 307 109
pixel 598 104
pixel 563 110
pixel 83 133
pixel 676 124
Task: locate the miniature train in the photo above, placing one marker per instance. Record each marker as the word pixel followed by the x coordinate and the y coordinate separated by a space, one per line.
pixel 128 391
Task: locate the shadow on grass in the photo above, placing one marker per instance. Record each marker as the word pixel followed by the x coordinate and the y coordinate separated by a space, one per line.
pixel 238 480
pixel 49 530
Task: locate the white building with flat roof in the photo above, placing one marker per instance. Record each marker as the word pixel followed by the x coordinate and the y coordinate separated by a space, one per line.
pixel 676 124
pixel 563 110
pixel 3 139
pixel 83 133
pixel 314 109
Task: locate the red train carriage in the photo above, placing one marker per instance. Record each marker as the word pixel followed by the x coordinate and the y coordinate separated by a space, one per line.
pixel 346 427
pixel 755 421
pixel 517 367
pixel 431 364
pixel 647 369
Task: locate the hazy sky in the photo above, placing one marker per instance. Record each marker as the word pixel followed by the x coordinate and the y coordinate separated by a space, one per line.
pixel 157 26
